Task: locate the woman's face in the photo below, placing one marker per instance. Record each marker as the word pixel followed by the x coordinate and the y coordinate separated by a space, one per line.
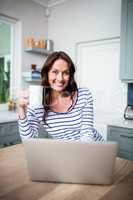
pixel 59 75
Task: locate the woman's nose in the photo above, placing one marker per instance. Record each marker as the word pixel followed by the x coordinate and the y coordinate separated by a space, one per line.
pixel 60 77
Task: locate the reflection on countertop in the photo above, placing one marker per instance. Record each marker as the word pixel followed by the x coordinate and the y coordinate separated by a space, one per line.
pixel 8 116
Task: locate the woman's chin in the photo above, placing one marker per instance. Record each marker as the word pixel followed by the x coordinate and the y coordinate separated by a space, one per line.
pixel 58 89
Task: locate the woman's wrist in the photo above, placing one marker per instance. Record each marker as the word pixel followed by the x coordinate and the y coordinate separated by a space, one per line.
pixel 21 113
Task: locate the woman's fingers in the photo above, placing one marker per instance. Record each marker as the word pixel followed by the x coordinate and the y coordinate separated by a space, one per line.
pixel 23 98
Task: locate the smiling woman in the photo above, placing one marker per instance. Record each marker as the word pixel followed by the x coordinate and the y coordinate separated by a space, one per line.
pixel 66 112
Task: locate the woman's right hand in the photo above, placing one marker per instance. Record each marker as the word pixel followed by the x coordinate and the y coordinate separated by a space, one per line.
pixel 22 103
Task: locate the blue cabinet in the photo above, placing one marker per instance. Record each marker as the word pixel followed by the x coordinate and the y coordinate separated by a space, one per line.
pixel 126 46
pixel 9 134
pixel 124 137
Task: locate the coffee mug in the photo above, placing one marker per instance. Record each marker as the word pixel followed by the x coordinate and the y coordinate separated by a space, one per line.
pixel 35 95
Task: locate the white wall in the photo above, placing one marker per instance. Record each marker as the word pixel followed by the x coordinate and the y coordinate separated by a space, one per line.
pixel 77 21
pixel 33 22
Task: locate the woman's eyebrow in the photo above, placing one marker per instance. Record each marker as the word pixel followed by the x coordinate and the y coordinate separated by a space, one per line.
pixel 59 70
pixel 66 70
pixel 54 69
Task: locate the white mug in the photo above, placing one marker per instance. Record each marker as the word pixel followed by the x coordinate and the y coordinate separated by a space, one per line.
pixel 35 95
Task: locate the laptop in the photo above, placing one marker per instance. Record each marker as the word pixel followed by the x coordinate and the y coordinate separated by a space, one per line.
pixel 70 161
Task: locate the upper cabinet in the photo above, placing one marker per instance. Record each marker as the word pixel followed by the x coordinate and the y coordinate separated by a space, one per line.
pixel 126 51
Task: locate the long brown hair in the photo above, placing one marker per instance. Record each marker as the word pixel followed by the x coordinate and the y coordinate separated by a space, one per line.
pixel 71 87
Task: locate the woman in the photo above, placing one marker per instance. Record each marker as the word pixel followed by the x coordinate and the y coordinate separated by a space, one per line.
pixel 67 111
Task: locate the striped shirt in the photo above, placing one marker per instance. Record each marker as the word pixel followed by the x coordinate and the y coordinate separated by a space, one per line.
pixel 75 124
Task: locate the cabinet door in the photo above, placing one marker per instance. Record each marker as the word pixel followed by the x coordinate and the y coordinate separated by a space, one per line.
pixel 9 134
pixel 126 58
pixel 126 146
pixel 13 137
pixel 124 137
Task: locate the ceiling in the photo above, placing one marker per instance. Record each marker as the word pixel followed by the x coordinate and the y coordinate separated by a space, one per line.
pixel 49 3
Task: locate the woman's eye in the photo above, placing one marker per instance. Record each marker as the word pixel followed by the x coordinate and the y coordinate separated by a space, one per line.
pixel 55 72
pixel 63 73
pixel 67 72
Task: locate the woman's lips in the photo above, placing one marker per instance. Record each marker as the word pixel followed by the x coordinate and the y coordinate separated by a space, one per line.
pixel 59 84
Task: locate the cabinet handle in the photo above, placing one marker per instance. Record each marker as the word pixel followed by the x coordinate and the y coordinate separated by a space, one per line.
pixel 126 136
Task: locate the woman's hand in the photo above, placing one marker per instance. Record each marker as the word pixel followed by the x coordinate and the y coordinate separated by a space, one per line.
pixel 22 103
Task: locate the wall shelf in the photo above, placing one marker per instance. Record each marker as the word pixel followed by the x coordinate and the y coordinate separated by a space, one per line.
pixel 38 51
pixel 27 77
pixel 32 80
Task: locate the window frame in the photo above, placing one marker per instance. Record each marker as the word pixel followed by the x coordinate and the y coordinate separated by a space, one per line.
pixel 16 46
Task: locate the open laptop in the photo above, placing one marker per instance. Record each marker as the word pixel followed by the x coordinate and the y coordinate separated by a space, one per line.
pixel 70 161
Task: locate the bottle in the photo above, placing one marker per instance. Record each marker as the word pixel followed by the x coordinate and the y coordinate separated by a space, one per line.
pixel 49 45
pixel 10 104
pixel 42 44
pixel 33 67
pixel 30 42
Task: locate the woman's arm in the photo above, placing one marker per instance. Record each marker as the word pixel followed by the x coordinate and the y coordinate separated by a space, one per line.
pixel 88 132
pixel 28 126
pixel 87 118
pixel 27 122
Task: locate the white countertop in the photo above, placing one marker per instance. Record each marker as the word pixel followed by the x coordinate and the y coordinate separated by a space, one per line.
pixel 8 116
pixel 122 123
pixel 118 121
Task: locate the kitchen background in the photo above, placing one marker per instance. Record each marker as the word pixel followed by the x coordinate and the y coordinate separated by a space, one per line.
pixel 89 31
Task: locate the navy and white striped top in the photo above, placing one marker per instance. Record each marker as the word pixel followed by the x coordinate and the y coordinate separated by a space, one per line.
pixel 75 124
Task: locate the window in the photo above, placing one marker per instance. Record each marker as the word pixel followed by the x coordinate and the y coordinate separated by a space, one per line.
pixel 5 61
pixel 10 59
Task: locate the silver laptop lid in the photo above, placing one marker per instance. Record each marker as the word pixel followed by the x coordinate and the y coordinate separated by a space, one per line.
pixel 70 161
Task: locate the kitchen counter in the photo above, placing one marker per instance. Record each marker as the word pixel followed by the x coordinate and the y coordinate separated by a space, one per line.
pixel 102 121
pixel 122 123
pixel 115 121
pixel 8 116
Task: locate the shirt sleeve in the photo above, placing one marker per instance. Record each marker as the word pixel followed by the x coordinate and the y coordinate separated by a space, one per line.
pixel 87 133
pixel 28 127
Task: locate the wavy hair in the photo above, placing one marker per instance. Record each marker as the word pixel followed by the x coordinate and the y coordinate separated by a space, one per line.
pixel 71 87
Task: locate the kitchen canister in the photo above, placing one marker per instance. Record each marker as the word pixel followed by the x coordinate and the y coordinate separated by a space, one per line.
pixel 49 45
